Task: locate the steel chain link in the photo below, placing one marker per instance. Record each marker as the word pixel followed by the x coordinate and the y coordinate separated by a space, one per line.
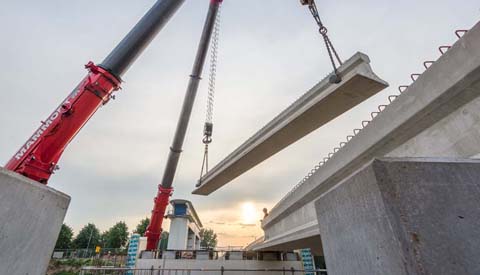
pixel 332 52
pixel 208 128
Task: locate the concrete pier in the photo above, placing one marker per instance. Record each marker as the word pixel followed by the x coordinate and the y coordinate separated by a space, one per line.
pixel 31 215
pixel 404 216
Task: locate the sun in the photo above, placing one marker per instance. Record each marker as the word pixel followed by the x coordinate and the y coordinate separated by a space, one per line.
pixel 249 213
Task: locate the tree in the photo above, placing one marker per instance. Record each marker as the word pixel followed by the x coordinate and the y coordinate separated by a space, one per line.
pixel 142 227
pixel 64 240
pixel 89 237
pixel 117 235
pixel 208 238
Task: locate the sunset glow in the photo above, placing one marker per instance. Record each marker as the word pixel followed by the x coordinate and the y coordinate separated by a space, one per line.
pixel 249 213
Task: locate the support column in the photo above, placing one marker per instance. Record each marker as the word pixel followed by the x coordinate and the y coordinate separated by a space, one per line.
pixel 31 215
pixel 404 216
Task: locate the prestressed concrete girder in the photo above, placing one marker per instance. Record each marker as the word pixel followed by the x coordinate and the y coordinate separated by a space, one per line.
pixel 321 104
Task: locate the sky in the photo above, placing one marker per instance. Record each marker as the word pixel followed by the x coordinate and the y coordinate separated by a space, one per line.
pixel 270 54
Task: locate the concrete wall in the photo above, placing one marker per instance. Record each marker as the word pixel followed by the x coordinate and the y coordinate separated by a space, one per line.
pixel 184 234
pixel 192 240
pixel 142 245
pixel 298 229
pixel 404 216
pixel 31 216
pixel 178 236
pixel 217 264
pixel 457 135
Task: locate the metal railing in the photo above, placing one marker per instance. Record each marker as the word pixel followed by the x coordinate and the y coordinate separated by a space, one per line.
pixel 193 271
pixel 87 253
pixel 219 254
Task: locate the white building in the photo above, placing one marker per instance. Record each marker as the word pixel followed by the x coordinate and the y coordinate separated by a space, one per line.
pixel 185 226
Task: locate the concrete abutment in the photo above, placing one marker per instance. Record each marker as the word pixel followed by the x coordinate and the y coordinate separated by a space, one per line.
pixel 403 216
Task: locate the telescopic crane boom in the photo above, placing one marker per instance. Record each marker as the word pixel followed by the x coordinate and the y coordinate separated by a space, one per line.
pixel 38 157
pixel 165 189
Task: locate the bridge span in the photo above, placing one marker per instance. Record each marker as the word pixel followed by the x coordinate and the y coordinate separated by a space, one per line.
pixel 436 116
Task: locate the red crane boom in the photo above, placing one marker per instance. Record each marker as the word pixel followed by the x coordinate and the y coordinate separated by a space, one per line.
pixel 38 157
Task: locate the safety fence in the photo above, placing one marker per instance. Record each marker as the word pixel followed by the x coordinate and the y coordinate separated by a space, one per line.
pixel 220 254
pixel 87 253
pixel 220 271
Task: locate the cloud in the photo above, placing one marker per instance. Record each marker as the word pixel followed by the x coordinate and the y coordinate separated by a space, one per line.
pixel 233 224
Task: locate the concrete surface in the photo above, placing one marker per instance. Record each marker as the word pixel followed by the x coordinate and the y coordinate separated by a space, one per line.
pixel 217 264
pixel 297 230
pixel 436 116
pixel 404 216
pixel 457 135
pixel 321 104
pixel 31 215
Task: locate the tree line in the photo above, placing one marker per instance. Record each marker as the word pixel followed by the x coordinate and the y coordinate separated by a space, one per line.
pixel 117 236
pixel 90 236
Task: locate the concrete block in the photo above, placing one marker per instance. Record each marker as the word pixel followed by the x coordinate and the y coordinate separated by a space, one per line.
pixel 404 216
pixel 323 103
pixel 31 215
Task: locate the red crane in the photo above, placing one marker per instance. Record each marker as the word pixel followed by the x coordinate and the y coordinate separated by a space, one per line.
pixel 37 159
pixel 165 189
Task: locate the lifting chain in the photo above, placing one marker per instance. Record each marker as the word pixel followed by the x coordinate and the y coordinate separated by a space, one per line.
pixel 328 43
pixel 208 127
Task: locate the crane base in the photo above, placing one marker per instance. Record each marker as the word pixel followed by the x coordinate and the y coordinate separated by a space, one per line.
pixel 31 215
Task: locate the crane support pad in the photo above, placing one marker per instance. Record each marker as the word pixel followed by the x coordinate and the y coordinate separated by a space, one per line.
pixel 321 104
